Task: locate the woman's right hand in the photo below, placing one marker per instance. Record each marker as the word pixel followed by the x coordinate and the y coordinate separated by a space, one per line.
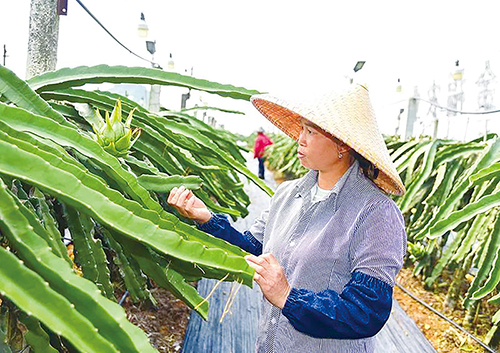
pixel 188 205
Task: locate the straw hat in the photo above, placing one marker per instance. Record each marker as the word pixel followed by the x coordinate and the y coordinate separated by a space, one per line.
pixel 348 115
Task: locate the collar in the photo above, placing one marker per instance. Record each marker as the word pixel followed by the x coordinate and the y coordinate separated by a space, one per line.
pixel 309 181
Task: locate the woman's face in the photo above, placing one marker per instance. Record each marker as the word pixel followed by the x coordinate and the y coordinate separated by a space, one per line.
pixel 316 151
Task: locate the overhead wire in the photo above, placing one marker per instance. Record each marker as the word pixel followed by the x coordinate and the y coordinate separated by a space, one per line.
pixel 455 111
pixel 397 284
pixel 112 36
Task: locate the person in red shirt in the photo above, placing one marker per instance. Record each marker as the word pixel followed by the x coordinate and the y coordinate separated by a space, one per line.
pixel 261 142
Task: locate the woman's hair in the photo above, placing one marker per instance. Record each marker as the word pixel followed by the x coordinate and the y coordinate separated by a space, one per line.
pixel 369 170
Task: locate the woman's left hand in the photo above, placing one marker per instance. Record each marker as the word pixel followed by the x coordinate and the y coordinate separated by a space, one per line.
pixel 271 278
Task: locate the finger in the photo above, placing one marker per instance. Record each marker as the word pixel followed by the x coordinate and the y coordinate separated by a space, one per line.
pixel 258 269
pixel 172 193
pixel 175 197
pixel 189 204
pixel 180 199
pixel 183 198
pixel 269 258
pixel 191 196
pixel 250 258
pixel 256 259
pixel 257 278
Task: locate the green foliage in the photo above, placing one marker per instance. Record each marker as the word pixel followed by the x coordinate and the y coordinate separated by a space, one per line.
pixel 282 158
pixel 451 211
pixel 450 208
pixel 65 171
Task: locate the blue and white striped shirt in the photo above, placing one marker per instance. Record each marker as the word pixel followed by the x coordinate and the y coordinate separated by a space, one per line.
pixel 341 256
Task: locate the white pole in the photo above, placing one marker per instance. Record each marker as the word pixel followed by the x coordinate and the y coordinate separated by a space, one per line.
pixel 43 37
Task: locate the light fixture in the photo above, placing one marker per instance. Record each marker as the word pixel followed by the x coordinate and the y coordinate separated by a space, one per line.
pixel 170 64
pixel 359 66
pixel 151 46
pixel 143 28
pixel 458 74
pixel 399 88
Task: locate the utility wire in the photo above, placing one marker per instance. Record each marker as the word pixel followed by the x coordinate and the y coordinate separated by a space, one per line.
pixel 446 318
pixel 112 36
pixel 456 111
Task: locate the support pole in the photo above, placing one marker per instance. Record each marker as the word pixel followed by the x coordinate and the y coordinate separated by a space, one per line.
pixel 154 98
pixel 43 37
pixel 411 118
pixel 184 98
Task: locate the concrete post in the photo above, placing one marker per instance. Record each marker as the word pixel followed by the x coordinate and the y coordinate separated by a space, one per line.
pixel 184 98
pixel 43 37
pixel 411 118
pixel 154 98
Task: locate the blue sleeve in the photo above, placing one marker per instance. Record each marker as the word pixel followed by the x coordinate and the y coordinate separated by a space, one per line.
pixel 220 227
pixel 360 311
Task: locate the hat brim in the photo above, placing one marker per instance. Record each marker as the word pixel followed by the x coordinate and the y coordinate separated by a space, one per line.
pixel 288 120
pixel 283 118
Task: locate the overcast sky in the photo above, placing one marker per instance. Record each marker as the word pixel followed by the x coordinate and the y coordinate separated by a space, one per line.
pixel 279 46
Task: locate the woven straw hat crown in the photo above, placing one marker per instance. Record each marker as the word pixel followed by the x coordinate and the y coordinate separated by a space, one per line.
pixel 348 115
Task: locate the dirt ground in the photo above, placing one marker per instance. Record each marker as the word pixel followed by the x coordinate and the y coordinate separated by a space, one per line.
pixel 166 325
pixel 442 335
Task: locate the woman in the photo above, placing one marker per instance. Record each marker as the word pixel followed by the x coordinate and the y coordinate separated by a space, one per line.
pixel 327 250
pixel 261 142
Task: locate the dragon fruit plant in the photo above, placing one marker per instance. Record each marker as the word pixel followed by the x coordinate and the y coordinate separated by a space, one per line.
pixel 57 180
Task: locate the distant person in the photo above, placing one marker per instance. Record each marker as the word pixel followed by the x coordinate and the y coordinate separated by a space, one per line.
pixel 327 250
pixel 261 142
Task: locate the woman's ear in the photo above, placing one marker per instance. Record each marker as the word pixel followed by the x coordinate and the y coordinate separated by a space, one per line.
pixel 343 148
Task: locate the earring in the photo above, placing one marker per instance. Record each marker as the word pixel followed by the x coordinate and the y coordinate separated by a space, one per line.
pixel 340 155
